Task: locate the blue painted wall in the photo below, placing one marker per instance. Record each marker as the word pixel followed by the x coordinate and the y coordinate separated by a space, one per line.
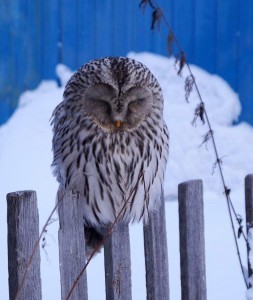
pixel 35 35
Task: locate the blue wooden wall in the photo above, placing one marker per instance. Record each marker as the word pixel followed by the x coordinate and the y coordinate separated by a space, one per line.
pixel 35 35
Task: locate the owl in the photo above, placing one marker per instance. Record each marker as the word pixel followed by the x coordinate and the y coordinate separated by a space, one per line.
pixel 110 142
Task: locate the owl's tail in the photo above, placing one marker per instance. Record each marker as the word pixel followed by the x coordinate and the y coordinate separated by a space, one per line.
pixel 93 240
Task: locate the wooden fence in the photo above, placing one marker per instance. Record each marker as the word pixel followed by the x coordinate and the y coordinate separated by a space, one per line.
pixel 24 254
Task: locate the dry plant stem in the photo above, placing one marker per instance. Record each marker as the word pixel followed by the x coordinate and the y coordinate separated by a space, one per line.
pixel 106 236
pixel 35 248
pixel 205 114
pixel 231 208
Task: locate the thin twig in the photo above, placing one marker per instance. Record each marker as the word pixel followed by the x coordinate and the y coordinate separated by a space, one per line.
pixel 182 59
pixel 35 248
pixel 106 236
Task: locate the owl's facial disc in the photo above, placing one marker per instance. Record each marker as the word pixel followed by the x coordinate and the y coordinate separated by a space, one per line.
pixel 115 111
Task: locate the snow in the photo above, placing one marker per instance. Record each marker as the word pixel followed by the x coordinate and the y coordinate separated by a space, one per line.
pixel 25 158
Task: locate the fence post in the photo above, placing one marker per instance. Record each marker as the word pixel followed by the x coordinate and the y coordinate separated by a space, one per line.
pixel 72 245
pixel 118 264
pixel 249 213
pixel 192 243
pixel 156 255
pixel 23 234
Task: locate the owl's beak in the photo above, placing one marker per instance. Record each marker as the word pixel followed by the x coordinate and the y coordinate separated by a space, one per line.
pixel 118 123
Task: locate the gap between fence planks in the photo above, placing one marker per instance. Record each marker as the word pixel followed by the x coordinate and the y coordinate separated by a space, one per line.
pixel 23 235
pixel 192 243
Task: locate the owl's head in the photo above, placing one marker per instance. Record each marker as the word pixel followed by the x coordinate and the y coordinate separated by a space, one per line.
pixel 118 93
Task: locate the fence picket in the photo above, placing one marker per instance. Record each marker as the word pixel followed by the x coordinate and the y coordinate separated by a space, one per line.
pixel 23 234
pixel 156 256
pixel 192 243
pixel 118 264
pixel 72 245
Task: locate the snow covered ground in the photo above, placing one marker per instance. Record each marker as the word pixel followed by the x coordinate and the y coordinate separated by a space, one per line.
pixel 25 158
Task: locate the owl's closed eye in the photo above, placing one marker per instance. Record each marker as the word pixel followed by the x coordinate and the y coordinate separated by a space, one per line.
pixel 109 106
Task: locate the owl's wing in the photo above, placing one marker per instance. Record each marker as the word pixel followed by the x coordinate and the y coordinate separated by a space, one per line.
pixel 60 122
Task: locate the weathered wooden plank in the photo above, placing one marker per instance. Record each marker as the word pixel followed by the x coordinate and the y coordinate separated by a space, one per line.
pixel 249 211
pixel 69 33
pixel 205 34
pixel 6 86
pixel 32 43
pixel 118 264
pixel 227 40
pixel 184 10
pixel 102 25
pixel 72 246
pixel 51 43
pixel 23 234
pixel 86 31
pixel 245 71
pixel 121 40
pixel 192 243
pixel 140 29
pixel 156 256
